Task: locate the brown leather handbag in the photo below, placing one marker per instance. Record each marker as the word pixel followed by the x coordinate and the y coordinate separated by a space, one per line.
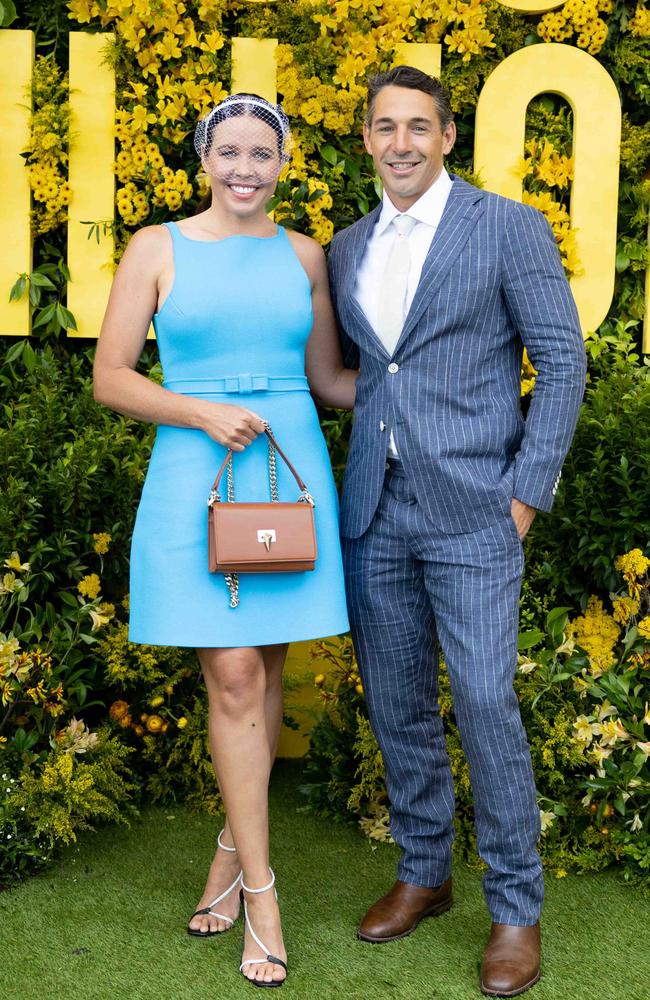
pixel 260 537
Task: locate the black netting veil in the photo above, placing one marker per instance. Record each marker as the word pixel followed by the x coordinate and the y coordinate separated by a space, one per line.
pixel 244 134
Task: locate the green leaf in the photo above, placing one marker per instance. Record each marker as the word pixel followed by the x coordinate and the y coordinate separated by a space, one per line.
pixel 69 599
pixel 529 639
pixel 553 615
pixel 29 357
pixel 15 351
pixel 329 154
pixel 40 280
pixel 18 288
pixel 7 13
pixel 65 318
pixel 45 315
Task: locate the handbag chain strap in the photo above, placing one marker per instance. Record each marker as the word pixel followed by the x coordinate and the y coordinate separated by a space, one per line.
pixel 232 579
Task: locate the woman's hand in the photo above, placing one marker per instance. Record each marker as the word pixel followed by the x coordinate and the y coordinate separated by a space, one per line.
pixel 232 426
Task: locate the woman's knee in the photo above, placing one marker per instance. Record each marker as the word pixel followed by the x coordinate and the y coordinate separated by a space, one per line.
pixel 235 679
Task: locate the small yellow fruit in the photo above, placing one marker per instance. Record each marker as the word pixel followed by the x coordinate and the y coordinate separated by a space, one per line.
pixel 359 688
pixel 319 680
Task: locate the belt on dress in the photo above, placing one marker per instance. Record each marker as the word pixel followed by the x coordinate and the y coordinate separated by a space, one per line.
pixel 243 384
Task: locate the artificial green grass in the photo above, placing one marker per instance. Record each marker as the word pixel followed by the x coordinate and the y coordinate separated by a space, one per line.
pixel 108 923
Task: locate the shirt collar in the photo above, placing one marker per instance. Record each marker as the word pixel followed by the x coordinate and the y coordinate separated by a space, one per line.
pixel 428 208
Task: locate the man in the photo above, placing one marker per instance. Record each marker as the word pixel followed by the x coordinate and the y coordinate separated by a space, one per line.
pixel 437 291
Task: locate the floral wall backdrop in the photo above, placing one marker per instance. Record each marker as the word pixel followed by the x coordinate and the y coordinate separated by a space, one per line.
pixel 90 726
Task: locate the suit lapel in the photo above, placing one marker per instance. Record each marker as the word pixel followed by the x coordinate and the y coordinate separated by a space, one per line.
pixel 358 238
pixel 462 212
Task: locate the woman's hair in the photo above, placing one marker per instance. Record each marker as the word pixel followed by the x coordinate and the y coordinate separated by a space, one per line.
pixel 236 106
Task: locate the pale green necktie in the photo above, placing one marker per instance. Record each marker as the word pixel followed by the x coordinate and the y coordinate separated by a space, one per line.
pixel 394 285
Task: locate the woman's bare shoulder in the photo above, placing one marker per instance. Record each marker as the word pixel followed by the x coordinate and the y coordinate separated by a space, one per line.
pixel 310 254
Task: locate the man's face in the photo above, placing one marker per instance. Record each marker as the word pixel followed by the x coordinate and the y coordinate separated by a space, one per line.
pixel 406 143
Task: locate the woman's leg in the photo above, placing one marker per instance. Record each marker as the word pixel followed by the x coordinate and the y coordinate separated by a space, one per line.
pixel 225 865
pixel 245 714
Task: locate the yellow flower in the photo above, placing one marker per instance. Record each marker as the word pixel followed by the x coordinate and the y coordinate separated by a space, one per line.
pixel 632 565
pixel 89 586
pixel 9 583
pixel 597 633
pixel 154 724
pixel 97 619
pixel 644 627
pixel 624 609
pixel 102 540
pixel 640 23
pixel 319 680
pixel 156 701
pixel 182 722
pixel 584 730
pixel 13 562
pixel 610 732
pixel 546 820
pixel 311 111
pixel 118 710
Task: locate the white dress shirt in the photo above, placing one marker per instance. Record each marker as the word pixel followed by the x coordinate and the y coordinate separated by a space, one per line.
pixel 427 212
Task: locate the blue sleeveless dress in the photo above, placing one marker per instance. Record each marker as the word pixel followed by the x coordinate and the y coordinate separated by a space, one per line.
pixel 233 330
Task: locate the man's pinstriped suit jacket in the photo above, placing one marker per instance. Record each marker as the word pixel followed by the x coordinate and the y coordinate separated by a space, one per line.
pixel 492 282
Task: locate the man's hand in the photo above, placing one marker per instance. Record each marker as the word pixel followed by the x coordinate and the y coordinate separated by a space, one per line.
pixel 523 516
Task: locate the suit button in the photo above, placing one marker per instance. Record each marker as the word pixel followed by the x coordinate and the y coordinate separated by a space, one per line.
pixel 393 368
pixel 382 425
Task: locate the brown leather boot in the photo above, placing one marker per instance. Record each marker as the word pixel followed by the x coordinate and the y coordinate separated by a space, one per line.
pixel 399 912
pixel 511 960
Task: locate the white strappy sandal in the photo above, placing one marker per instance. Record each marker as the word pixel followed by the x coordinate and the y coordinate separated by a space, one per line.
pixel 209 908
pixel 269 958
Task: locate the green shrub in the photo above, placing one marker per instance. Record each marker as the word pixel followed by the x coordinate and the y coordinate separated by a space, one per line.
pixel 71 469
pixel 160 710
pixel 602 506
pixel 84 779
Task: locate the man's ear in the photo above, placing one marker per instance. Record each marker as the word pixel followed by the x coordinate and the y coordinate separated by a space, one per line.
pixel 449 138
pixel 366 137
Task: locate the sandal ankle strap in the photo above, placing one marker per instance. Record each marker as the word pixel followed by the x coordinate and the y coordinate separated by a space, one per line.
pixel 231 850
pixel 265 888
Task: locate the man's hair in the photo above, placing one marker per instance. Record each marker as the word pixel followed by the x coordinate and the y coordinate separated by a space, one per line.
pixel 412 79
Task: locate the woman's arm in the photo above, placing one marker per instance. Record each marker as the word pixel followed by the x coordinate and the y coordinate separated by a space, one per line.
pixel 144 268
pixel 331 383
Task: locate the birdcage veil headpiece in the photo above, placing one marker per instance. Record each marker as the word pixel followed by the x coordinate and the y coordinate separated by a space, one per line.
pixel 245 109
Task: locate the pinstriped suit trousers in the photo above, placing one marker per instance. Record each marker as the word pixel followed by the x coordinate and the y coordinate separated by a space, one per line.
pixel 411 588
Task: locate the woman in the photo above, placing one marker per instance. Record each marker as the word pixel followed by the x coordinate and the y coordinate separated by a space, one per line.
pixel 241 310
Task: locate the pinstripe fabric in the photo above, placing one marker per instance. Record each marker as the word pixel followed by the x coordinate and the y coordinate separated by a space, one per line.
pixel 433 556
pixel 409 586
pixel 491 282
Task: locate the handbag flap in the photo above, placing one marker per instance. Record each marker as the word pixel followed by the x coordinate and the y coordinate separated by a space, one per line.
pixel 257 532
